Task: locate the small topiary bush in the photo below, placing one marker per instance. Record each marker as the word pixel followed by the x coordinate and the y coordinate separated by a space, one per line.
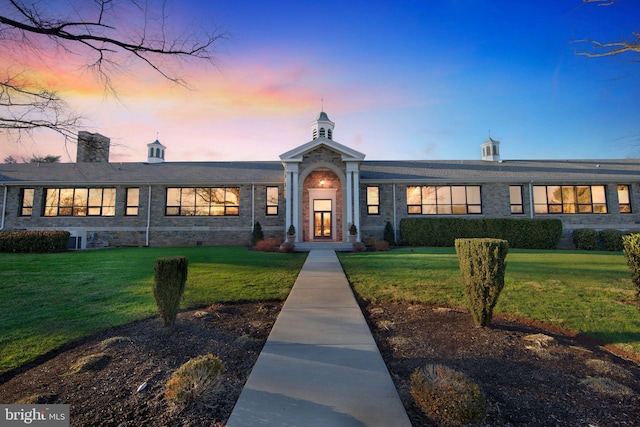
pixel 168 286
pixel 585 239
pixel 257 234
pixel 442 392
pixel 198 375
pixel 611 240
pixel 389 235
pixel 482 265
pixel 631 245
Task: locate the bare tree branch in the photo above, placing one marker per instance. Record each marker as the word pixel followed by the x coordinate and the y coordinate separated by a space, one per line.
pixel 103 36
pixel 597 49
pixel 608 49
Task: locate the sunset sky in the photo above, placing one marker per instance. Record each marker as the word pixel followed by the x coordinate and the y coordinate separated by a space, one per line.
pixel 401 80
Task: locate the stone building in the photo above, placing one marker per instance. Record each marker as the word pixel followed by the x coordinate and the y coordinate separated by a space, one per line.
pixel 320 187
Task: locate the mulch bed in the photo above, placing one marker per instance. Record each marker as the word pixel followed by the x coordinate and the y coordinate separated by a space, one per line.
pixel 527 379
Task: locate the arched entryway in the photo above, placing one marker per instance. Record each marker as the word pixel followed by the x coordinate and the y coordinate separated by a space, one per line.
pixel 322 206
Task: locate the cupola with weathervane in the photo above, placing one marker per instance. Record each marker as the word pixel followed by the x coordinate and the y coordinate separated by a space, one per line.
pixel 156 152
pixel 490 150
pixel 322 127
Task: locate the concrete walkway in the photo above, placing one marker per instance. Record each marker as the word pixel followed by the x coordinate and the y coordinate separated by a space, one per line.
pixel 320 365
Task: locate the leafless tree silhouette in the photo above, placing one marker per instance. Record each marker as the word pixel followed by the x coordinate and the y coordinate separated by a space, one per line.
pixel 102 36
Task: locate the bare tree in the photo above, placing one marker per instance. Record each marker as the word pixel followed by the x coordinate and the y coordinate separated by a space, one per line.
pixel 103 36
pixel 597 49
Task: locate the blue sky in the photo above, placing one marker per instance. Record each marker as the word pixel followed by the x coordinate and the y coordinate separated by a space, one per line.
pixel 401 80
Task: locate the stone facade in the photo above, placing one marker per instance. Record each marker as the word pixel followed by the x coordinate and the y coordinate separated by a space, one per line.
pixel 321 169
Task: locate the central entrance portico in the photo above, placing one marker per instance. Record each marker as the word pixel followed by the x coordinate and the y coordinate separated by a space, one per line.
pixel 322 186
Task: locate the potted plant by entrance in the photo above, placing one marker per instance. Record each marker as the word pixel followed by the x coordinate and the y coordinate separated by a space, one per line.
pixel 291 234
pixel 353 233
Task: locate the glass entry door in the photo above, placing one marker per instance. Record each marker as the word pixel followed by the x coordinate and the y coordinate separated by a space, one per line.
pixel 322 219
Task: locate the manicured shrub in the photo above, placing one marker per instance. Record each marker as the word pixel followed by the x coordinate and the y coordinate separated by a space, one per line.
pixel 520 233
pixel 585 239
pixel 611 240
pixel 631 245
pixel 389 235
pixel 268 245
pixel 257 234
pixel 34 241
pixel 168 286
pixel 444 393
pixel 359 247
pixel 287 247
pixel 482 265
pixel 198 375
pixel 382 245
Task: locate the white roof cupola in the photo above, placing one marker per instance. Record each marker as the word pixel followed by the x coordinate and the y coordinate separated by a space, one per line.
pixel 155 152
pixel 490 150
pixel 322 127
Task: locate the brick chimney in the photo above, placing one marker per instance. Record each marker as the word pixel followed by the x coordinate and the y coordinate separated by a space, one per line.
pixel 92 148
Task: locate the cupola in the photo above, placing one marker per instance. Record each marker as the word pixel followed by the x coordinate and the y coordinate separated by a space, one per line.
pixel 156 152
pixel 322 127
pixel 490 150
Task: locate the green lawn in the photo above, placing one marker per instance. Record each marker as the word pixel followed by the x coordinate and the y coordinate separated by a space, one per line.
pixel 581 291
pixel 49 300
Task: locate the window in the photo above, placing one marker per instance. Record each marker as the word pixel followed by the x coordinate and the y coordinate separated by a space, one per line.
pixel 623 199
pixel 26 204
pixel 133 201
pixel 373 200
pixel 208 201
pixel 272 200
pixel 515 197
pixel 80 202
pixel 322 133
pixel 444 200
pixel 569 199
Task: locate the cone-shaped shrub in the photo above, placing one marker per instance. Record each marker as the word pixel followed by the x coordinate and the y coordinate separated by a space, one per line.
pixel 389 234
pixel 482 267
pixel 257 234
pixel 168 286
pixel 631 245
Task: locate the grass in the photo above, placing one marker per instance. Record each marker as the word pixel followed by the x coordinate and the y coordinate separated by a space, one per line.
pixel 53 299
pixel 586 292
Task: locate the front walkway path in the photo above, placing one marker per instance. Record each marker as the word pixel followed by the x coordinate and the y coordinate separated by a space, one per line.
pixel 320 365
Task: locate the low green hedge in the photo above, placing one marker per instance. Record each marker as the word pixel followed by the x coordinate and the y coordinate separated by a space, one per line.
pixel 520 233
pixel 589 239
pixel 26 241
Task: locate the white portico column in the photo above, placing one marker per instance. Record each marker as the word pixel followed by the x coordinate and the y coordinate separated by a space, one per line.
pixel 353 195
pixel 291 198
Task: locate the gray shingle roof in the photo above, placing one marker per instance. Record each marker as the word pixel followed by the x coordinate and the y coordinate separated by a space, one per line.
pixel 196 173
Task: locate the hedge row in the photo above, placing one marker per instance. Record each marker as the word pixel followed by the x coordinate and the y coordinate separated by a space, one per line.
pixel 25 241
pixel 589 239
pixel 520 233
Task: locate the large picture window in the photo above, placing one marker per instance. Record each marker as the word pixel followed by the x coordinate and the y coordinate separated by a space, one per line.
pixel 272 200
pixel 80 202
pixel 569 199
pixel 203 201
pixel 26 203
pixel 444 200
pixel 623 199
pixel 373 200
